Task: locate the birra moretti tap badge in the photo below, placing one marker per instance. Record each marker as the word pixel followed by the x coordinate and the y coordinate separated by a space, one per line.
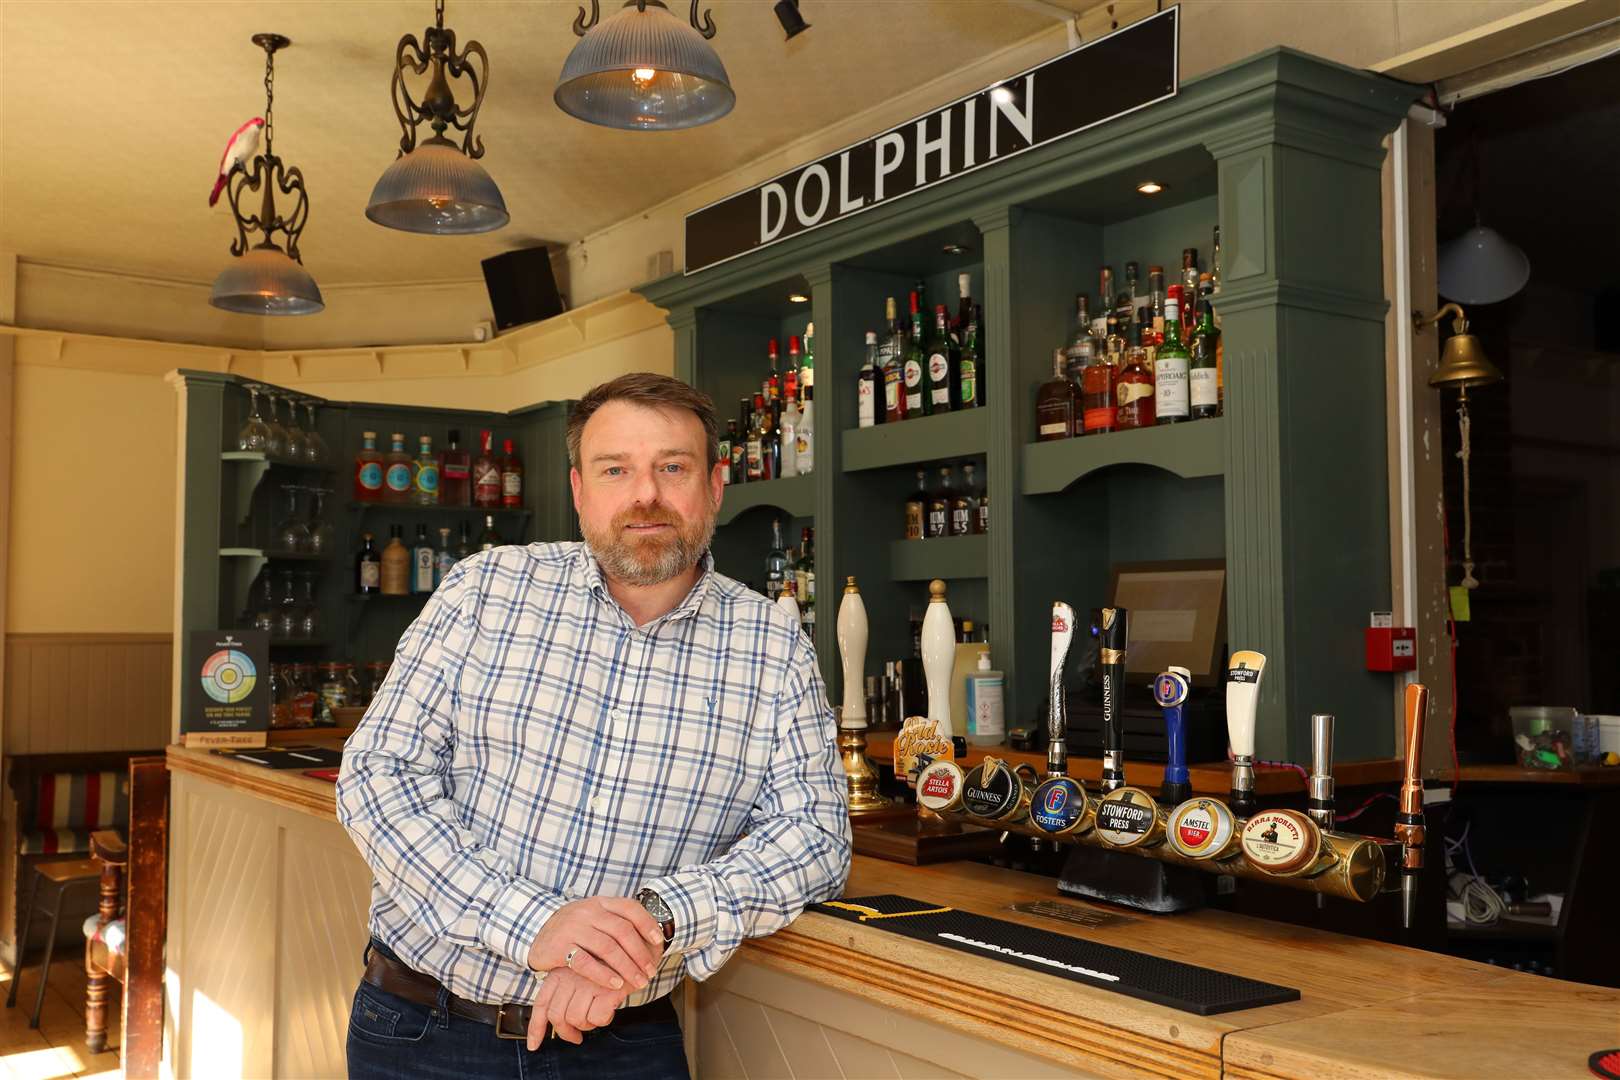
pixel 1281 841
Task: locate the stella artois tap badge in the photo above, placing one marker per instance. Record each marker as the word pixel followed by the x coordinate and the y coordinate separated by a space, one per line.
pixel 919 735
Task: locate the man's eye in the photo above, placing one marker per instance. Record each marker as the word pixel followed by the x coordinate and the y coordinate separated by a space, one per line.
pixel 672 467
pixel 612 470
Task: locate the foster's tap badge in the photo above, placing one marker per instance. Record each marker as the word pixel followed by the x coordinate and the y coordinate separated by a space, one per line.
pixel 1058 806
pixel 1128 817
pixel 1202 829
pixel 1281 842
pixel 939 787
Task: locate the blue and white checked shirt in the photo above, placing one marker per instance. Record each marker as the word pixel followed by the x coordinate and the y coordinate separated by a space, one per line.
pixel 531 746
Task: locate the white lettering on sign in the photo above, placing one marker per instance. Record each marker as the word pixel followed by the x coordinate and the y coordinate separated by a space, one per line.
pixel 970 113
pixel 940 146
pixel 846 205
pixel 890 149
pixel 805 216
pixel 771 191
pixel 1022 121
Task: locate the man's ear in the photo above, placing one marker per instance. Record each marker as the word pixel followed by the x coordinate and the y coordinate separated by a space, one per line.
pixel 574 481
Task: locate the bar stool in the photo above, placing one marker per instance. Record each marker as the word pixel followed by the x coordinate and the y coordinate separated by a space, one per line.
pixel 60 878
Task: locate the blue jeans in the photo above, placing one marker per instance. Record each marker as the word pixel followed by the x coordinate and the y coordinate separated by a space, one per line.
pixel 391 1038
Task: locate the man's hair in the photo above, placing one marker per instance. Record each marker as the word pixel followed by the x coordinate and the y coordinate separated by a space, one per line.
pixel 651 391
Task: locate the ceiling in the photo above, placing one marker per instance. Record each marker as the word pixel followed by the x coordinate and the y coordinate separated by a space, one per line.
pixel 113 117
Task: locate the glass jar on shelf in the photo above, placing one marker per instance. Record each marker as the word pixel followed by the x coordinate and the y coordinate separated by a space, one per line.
pixel 334 692
pixel 304 694
pixel 358 697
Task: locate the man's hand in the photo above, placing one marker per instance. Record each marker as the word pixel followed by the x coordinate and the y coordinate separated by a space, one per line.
pixel 572 1005
pixel 619 945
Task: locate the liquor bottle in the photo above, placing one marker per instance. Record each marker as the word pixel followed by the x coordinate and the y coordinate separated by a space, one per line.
pixel 1133 390
pixel 805 569
pixel 970 387
pixel 981 510
pixel 754 460
pixel 794 358
pixel 397 471
pixel 1130 313
pixel 789 434
pixel 1170 404
pixel 511 476
pixel 1215 261
pixel 1105 301
pixel 940 367
pixel 918 402
pixel 1189 291
pixel 489 538
pixel 727 441
pixel 739 445
pixel 1082 346
pixel 367 566
pixel 895 407
pixel 775 561
pixel 486 473
pixel 939 505
pixel 425 474
pixel 1097 409
pixel 770 447
pixel 1055 403
pixel 444 557
pixel 464 542
pixel 395 570
pixel 807 363
pixel 805 435
pixel 1202 393
pixel 368 470
pixel 965 306
pixel 917 509
pixel 963 504
pixel 866 388
pixel 772 387
pixel 455 473
pixel 1156 294
pixel 423 561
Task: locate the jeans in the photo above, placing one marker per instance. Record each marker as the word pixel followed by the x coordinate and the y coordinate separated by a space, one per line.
pixel 391 1038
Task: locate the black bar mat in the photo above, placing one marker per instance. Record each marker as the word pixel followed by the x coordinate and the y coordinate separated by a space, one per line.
pixel 1151 978
pixel 287 757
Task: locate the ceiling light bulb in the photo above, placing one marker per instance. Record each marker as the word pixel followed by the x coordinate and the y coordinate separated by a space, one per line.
pixel 798 298
pixel 1001 95
pixel 645 74
pixel 1150 187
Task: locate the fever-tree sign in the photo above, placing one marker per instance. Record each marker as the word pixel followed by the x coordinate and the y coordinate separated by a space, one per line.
pixel 226 688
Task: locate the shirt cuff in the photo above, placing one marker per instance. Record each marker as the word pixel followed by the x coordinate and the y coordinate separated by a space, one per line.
pixel 689 894
pixel 515 919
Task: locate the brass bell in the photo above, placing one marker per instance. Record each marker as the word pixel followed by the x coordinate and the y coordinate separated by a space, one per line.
pixel 1463 363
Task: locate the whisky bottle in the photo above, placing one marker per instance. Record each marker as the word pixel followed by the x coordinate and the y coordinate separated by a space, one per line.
pixel 1097 409
pixel 1189 291
pixel 917 509
pixel 1201 389
pixel 1055 403
pixel 770 447
pixel 772 390
pixel 895 407
pixel 940 367
pixel 775 562
pixel 1134 392
pixel 866 388
pixel 963 509
pixel 1156 294
pixel 727 441
pixel 755 459
pixel 939 505
pixel 1170 403
pixel 918 401
pixel 489 538
pixel 367 569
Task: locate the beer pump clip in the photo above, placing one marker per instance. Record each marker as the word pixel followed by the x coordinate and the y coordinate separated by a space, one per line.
pixel 1409 828
pixel 1059 804
pixel 1170 692
pixel 1242 702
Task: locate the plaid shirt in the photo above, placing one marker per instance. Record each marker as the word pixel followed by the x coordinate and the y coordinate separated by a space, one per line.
pixel 531 746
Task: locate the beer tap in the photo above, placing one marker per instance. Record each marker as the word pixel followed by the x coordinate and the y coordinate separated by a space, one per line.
pixel 1409 821
pixel 1320 804
pixel 1114 638
pixel 1058 806
pixel 1170 691
pixel 1242 701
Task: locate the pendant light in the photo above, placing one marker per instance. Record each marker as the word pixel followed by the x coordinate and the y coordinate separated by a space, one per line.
pixel 642 69
pixel 1482 267
pixel 437 187
pixel 264 279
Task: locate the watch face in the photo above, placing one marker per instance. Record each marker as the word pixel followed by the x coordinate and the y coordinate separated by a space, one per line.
pixel 655 906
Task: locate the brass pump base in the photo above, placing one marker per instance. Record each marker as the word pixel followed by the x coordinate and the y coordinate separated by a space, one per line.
pixel 862 778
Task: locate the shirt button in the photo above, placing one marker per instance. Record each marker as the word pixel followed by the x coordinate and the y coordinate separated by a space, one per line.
pixel 598 803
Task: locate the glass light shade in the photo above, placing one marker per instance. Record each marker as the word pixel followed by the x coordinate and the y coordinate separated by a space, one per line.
pixel 264 281
pixel 437 189
pixel 1482 267
pixel 644 70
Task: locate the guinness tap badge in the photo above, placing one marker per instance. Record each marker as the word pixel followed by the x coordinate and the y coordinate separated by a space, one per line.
pixel 1128 817
pixel 939 787
pixel 1058 806
pixel 993 791
pixel 1281 842
pixel 1202 829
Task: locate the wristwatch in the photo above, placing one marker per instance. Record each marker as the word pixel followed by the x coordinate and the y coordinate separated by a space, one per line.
pixel 659 911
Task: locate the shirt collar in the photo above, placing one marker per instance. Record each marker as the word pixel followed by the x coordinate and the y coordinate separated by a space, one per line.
pixel 596 585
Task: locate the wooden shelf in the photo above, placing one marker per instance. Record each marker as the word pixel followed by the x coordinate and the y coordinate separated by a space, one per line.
pixel 437 508
pixel 795 496
pixel 300 643
pixel 1506 929
pixel 1587 776
pixel 947 557
pixel 278 556
pixel 260 457
pixel 1196 448
pixel 926 438
pixel 366 598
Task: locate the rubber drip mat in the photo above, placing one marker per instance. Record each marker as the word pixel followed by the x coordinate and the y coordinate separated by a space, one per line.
pixel 1150 978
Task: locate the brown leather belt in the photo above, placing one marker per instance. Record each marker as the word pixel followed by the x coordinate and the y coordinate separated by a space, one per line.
pixel 509 1021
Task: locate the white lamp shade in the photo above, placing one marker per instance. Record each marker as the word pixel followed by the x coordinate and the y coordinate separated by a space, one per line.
pixel 1482 267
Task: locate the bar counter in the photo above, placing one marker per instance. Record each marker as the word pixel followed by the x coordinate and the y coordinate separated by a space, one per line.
pixel 267 919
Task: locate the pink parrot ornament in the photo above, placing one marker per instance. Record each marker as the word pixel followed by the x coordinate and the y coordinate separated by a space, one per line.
pixel 243 144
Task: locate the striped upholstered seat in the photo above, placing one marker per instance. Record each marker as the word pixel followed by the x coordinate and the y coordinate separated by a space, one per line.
pixel 67 808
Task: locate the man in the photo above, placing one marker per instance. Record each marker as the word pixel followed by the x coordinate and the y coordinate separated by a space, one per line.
pixel 593 768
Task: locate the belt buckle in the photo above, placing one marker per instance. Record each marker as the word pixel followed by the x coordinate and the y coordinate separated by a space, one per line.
pixel 500 1023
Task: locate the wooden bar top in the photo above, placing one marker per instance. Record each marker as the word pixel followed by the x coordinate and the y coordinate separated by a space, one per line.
pixel 285 787
pixel 1210 778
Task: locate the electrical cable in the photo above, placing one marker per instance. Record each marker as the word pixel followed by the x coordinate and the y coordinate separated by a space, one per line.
pixel 1482 905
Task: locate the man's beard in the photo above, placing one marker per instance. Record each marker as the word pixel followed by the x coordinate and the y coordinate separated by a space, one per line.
pixel 652 559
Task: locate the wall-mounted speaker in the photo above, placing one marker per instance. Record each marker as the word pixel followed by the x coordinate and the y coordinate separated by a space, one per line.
pixel 522 287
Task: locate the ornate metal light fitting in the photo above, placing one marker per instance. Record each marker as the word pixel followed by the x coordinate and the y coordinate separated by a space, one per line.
pixel 437 187
pixel 264 279
pixel 642 69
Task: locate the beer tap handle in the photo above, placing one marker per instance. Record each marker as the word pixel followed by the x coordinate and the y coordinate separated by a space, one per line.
pixel 1320 804
pixel 1057 753
pixel 1114 637
pixel 1170 691
pixel 1242 702
pixel 1409 828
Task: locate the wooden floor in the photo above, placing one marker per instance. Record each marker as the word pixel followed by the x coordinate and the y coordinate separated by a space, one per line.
pixel 56 1048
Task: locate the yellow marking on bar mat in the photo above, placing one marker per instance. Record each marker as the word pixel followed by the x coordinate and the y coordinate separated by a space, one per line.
pixel 867 914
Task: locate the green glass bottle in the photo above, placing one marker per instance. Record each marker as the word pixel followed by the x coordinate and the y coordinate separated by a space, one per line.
pixel 917 396
pixel 1170 366
pixel 1203 387
pixel 968 364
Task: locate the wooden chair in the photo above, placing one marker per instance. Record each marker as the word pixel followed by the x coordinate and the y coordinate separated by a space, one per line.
pixel 105 958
